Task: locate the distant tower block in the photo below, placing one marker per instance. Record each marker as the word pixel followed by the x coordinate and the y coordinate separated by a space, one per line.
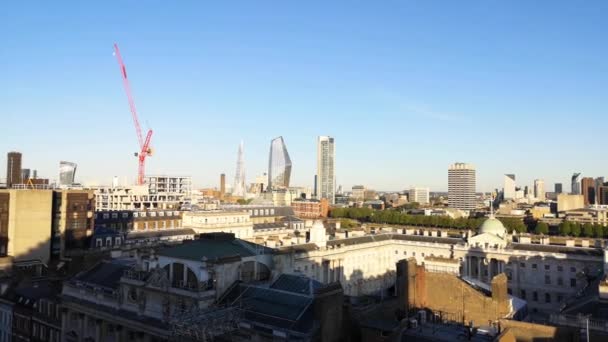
pixel 239 176
pixel 222 185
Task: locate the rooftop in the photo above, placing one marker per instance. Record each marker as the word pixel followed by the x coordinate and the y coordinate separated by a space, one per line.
pixel 213 246
pixel 104 274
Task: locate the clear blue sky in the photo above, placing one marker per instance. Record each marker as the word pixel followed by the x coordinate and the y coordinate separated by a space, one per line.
pixel 405 87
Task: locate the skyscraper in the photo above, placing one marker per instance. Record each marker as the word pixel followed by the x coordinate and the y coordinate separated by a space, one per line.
pixel 461 186
pixel 539 189
pixel 599 181
pixel 509 187
pixel 588 190
pixel 222 185
pixel 239 176
pixel 279 165
pixel 25 175
pixel 13 169
pixel 67 173
pixel 575 185
pixel 559 188
pixel 326 172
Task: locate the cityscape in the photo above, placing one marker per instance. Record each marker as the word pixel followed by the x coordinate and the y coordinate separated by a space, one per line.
pixel 301 226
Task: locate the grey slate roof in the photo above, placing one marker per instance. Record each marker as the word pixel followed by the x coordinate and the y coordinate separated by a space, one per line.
pixel 212 248
pixel 296 284
pixel 104 274
pixel 160 233
pixel 557 249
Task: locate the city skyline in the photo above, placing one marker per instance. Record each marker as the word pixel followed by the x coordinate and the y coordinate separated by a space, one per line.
pixel 382 70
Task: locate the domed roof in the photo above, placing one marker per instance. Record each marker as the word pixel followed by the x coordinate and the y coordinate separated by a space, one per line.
pixel 493 226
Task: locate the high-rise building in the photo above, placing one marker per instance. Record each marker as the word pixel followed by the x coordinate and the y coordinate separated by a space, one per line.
pixel 13 169
pixel 239 176
pixel 599 181
pixel 326 172
pixel 559 188
pixel 539 189
pixel 461 186
pixel 575 185
pixel 67 173
pixel 602 194
pixel 222 185
pixel 419 195
pixel 509 187
pixel 588 190
pixel 279 165
pixel 25 175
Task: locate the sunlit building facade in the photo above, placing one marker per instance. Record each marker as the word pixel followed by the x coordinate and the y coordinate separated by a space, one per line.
pixel 279 165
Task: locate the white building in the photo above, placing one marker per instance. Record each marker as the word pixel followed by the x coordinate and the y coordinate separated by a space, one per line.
pixel 236 222
pixel 158 192
pixel 461 186
pixel 326 173
pixel 509 187
pixel 539 189
pixel 419 195
pixel 358 192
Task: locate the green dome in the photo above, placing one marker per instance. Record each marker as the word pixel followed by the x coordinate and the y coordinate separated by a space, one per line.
pixel 493 226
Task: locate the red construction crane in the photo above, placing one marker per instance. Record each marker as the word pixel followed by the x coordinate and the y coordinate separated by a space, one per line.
pixel 144 145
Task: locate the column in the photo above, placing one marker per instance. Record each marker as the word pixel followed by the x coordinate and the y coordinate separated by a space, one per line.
pixel 479 273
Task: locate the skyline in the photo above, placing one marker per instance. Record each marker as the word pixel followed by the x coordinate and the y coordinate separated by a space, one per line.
pixel 405 90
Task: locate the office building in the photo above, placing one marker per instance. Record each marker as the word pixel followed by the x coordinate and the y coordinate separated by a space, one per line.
pixel 279 165
pixel 239 189
pixel 567 202
pixel 13 169
pixel 559 188
pixel 602 195
pixel 222 186
pixel 461 186
pixel 310 208
pixel 599 181
pixel 25 175
pixel 73 221
pixel 575 184
pixel 419 195
pixel 588 190
pixel 358 192
pixel 326 176
pixel 509 187
pixel 67 173
pixel 539 189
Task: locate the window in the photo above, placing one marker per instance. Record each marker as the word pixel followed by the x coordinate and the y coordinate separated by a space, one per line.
pixel 547 279
pixel 560 298
pixel 413 253
pixel 98 242
pixel 117 241
pixel 560 281
pixel 523 294
pixel 572 269
pixel 125 215
pixel 560 268
pixel 535 296
pixel 534 266
pixel 572 282
pixel 547 298
pixel 108 241
pixel 106 216
pixel 422 254
pixel 547 267
pixel 114 215
pixel 522 265
pixel 404 253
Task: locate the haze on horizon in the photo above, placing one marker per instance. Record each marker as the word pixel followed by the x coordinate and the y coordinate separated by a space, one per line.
pixel 405 89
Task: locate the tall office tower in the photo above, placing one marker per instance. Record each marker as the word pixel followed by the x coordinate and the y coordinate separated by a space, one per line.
pixel 25 175
pixel 588 190
pixel 13 169
pixel 509 187
pixel 602 194
pixel 279 165
pixel 461 186
pixel 67 173
pixel 575 185
pixel 599 181
pixel 222 185
pixel 539 189
pixel 419 195
pixel 239 176
pixel 326 172
pixel 314 184
pixel 559 188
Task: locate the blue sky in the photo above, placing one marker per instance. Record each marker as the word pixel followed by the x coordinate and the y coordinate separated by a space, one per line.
pixel 405 87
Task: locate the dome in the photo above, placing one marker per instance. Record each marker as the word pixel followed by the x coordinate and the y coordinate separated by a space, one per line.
pixel 493 226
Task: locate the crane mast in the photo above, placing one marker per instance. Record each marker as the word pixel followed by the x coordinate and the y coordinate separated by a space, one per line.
pixel 144 144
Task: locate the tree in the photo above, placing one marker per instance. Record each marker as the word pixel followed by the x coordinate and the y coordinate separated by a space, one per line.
pixel 565 228
pixel 541 228
pixel 575 229
pixel 598 230
pixel 587 230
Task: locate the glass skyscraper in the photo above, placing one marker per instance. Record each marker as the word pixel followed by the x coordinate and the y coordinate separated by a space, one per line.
pixel 67 172
pixel 279 165
pixel 326 173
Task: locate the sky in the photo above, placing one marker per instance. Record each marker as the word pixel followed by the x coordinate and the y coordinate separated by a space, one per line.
pixel 406 88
